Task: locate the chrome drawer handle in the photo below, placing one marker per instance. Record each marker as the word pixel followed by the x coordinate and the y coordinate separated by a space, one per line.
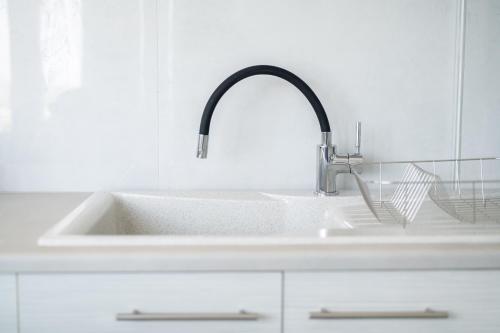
pixel 426 314
pixel 144 316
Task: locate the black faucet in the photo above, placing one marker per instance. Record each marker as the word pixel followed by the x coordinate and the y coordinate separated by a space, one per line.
pixel 329 163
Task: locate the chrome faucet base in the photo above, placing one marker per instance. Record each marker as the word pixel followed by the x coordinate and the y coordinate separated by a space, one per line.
pixel 326 194
pixel 330 163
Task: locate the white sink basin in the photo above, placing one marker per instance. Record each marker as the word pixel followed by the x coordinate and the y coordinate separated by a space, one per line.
pixel 163 218
pixel 223 218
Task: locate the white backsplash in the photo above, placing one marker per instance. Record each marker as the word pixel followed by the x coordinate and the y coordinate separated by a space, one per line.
pixel 81 110
pixel 481 108
pixel 109 94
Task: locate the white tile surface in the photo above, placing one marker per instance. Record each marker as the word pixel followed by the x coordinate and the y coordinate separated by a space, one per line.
pixel 82 104
pixel 387 63
pixel 79 85
pixel 481 104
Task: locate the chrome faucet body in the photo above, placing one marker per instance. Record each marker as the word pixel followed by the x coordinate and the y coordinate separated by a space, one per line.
pixel 329 162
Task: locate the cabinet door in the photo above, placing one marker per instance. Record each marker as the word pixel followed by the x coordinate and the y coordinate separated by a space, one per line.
pixel 386 302
pixel 184 302
pixel 8 313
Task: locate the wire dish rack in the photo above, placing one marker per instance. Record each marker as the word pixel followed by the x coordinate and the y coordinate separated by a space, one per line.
pixel 456 190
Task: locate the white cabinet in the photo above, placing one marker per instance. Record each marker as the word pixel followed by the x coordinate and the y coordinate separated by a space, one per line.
pixel 8 312
pixel 356 301
pixel 170 302
pixel 471 298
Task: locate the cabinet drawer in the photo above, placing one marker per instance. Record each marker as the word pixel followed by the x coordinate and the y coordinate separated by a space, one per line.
pixel 166 302
pixel 8 313
pixel 393 302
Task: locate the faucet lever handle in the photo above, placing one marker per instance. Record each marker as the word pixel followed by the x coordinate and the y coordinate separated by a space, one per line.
pixel 357 145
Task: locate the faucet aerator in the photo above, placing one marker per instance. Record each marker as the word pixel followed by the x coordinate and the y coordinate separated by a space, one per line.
pixel 202 150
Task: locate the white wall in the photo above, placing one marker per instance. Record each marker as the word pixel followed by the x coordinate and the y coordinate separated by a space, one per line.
pixel 81 113
pixel 481 105
pixel 108 94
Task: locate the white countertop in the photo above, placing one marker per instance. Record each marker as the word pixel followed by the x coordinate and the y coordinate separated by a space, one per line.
pixel 26 216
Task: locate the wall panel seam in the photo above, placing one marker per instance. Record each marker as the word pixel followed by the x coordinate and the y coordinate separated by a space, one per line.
pixel 459 81
pixel 157 92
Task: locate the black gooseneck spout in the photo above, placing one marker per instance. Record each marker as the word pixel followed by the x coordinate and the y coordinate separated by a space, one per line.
pixel 251 71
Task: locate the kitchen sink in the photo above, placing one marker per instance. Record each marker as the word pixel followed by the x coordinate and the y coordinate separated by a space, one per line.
pixel 204 217
pixel 233 218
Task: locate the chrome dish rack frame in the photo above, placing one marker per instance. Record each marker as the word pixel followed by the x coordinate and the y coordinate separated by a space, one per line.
pixel 467 190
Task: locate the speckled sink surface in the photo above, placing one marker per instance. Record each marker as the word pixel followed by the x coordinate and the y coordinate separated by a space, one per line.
pixel 25 217
pixel 238 218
